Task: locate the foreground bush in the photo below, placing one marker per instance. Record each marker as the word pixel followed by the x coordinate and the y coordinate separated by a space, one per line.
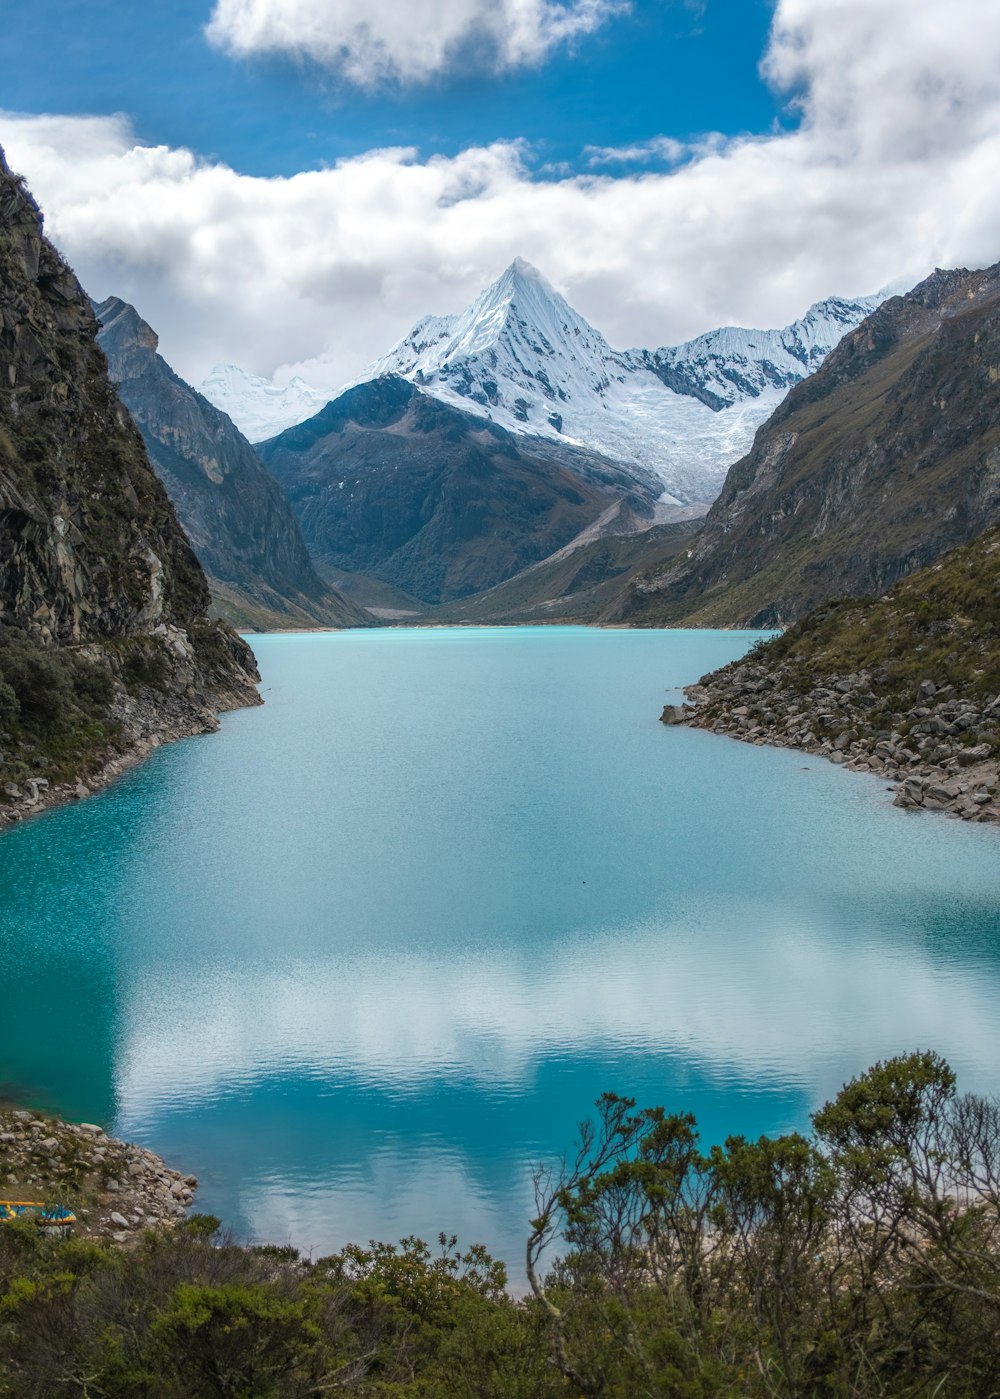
pixel 861 1260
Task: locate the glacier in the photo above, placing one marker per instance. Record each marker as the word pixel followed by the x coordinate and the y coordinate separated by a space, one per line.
pixel 522 357
pixel 258 407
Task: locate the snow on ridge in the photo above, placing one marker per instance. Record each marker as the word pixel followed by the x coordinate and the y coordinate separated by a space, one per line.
pixel 521 356
pixel 258 407
pixel 727 365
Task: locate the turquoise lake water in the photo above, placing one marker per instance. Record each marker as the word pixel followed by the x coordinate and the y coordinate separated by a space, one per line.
pixel 362 958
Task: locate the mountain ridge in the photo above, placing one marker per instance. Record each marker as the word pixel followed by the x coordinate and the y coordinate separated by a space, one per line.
pixel 233 511
pixel 522 357
pixel 884 459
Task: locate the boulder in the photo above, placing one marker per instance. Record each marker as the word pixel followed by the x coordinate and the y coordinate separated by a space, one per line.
pixel 676 714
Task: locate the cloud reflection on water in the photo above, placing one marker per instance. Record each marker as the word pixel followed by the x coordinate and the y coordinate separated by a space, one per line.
pixel 758 992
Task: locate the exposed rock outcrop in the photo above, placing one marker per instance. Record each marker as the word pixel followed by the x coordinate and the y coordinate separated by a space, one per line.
pixel 105 644
pixel 882 461
pixel 116 1189
pixel 233 511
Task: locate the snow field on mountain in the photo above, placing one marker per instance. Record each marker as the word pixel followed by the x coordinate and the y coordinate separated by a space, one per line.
pixel 522 357
pixel 258 407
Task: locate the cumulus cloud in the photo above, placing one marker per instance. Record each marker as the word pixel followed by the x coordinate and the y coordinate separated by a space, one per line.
pixel 889 80
pixel 370 42
pixel 891 171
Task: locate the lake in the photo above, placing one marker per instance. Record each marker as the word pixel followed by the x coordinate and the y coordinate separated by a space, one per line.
pixel 362 958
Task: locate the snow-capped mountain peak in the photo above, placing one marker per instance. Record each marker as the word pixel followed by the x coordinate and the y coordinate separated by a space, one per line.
pixel 518 340
pixel 522 356
pixel 519 301
pixel 258 407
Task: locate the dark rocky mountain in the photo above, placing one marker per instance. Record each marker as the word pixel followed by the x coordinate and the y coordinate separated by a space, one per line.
pixel 390 482
pixel 887 457
pixel 234 512
pixel 105 643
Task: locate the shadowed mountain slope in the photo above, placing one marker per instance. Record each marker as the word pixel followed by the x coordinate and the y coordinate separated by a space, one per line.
pixel 574 585
pixel 390 482
pixel 879 463
pixel 234 512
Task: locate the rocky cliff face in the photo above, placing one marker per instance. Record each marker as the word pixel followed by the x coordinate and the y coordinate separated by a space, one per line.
pixel 233 511
pixel 105 643
pixel 390 482
pixel 882 461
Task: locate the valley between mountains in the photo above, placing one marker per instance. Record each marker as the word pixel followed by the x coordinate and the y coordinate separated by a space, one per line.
pixel 361 962
pixel 503 465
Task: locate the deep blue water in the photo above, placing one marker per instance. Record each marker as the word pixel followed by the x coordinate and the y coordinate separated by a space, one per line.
pixel 363 957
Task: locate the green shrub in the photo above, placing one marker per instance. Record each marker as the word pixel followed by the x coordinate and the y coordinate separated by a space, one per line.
pixel 10 707
pixel 54 706
pixel 859 1261
pixel 145 664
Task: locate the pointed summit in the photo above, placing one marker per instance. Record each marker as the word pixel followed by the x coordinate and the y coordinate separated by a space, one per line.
pixel 123 326
pixel 520 272
pixel 519 349
pixel 523 276
pixel 522 357
pixel 521 267
pixel 519 306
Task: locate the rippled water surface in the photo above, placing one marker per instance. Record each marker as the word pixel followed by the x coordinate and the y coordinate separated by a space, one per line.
pixel 363 957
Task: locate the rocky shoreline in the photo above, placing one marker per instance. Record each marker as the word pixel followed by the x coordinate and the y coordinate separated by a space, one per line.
pixel 939 754
pixel 146 720
pixel 116 1189
pixel 36 795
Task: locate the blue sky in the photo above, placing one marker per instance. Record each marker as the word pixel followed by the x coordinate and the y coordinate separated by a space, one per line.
pixel 242 191
pixel 666 68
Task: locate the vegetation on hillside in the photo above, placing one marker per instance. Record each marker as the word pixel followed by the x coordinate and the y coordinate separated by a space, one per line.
pixel 942 624
pixel 59 704
pixel 860 1260
pixel 55 719
pixel 873 467
pixel 943 621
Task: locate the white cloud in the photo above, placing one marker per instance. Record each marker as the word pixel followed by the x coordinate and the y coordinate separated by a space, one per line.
pixel 657 148
pixel 892 171
pixel 370 42
pixel 890 80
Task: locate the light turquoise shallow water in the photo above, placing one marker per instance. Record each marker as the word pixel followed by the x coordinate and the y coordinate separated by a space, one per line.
pixel 363 957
